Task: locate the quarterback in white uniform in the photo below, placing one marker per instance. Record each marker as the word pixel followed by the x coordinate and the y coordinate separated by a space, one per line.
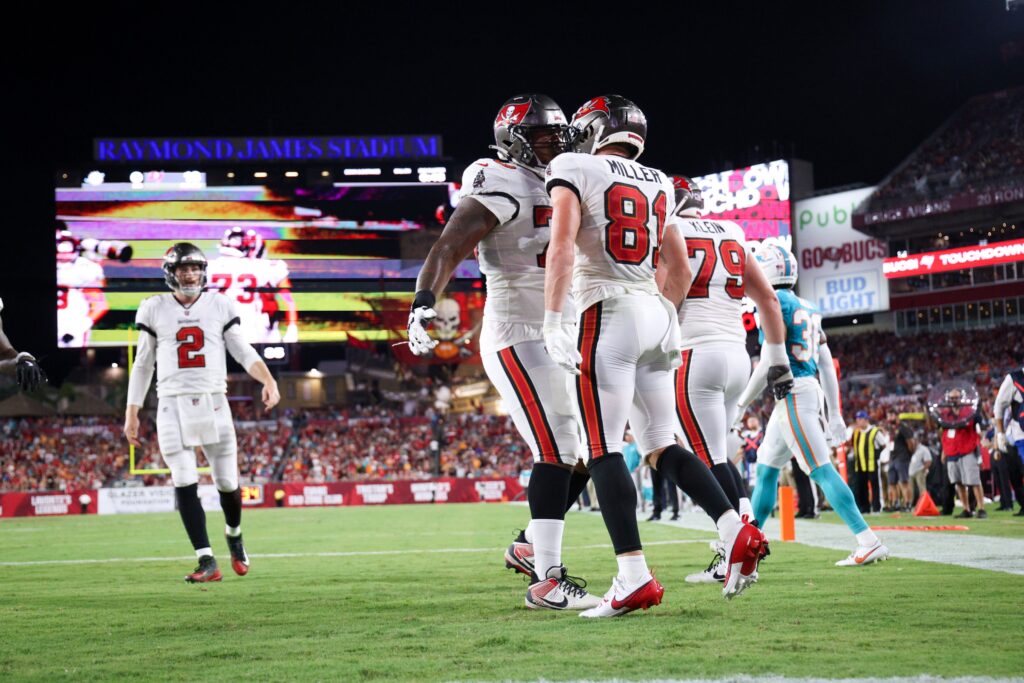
pixel 607 235
pixel 505 212
pixel 242 274
pixel 185 335
pixel 715 366
pixel 80 298
pixel 22 365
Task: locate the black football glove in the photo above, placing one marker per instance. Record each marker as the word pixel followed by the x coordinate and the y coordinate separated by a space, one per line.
pixel 28 373
pixel 780 381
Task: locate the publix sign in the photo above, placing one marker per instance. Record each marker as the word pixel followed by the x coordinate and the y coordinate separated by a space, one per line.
pixel 840 268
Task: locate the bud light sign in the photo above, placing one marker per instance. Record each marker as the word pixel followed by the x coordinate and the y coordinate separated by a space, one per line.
pixel 840 269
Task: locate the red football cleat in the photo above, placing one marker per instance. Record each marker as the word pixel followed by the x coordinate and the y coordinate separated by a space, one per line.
pixel 239 559
pixel 206 571
pixel 623 598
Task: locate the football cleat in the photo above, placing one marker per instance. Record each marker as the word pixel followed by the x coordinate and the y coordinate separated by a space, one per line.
pixel 865 555
pixel 519 556
pixel 206 571
pixel 624 597
pixel 715 573
pixel 560 592
pixel 743 552
pixel 239 559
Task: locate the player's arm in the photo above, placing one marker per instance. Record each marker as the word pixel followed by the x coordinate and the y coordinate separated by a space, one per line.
pixel 471 222
pixel 565 224
pixel 248 358
pixel 291 311
pixel 830 387
pixel 674 274
pixel 773 352
pixel 139 381
pixel 1003 400
pixel 22 365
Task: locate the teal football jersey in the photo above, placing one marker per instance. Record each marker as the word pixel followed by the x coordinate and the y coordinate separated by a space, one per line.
pixel 803 333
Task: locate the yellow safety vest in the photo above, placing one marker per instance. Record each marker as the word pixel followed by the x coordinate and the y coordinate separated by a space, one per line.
pixel 864 448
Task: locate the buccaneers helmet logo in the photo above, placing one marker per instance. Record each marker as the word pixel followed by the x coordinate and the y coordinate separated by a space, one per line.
pixel 596 104
pixel 512 114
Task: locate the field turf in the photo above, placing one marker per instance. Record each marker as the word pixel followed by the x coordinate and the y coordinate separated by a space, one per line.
pixel 420 593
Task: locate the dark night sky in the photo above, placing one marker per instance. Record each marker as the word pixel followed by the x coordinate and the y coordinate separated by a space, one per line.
pixel 852 87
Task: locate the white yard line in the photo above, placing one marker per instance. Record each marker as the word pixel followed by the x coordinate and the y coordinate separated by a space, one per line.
pixel 947 547
pixel 353 553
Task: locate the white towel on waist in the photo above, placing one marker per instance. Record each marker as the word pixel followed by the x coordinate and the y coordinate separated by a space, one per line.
pixel 197 419
pixel 672 342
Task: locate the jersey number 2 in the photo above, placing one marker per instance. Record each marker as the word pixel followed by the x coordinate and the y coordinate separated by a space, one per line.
pixel 192 342
pixel 627 238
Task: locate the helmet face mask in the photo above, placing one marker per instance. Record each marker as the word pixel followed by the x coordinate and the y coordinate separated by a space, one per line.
pixel 608 120
pixel 184 254
pixel 529 130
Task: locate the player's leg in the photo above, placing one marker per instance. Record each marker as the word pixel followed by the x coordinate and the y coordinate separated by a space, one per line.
pixel 223 459
pixel 742 543
pixel 772 456
pixel 535 390
pixel 185 477
pixel 609 342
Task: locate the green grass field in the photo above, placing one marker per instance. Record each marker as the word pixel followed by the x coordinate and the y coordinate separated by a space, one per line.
pixel 420 593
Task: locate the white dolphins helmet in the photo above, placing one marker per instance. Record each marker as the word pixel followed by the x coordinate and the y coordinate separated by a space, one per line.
pixel 778 264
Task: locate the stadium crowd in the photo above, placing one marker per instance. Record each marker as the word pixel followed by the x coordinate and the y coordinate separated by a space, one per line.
pixel 982 145
pixel 883 374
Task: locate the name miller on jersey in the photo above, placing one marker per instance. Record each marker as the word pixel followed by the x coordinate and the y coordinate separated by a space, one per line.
pixel 632 172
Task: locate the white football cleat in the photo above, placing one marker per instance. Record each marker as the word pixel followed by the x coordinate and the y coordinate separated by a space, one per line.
pixel 560 592
pixel 865 555
pixel 715 573
pixel 743 552
pixel 519 556
pixel 624 597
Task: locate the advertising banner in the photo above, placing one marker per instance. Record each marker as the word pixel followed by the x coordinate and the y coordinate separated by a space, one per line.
pixel 755 197
pixel 46 503
pixel 954 259
pixel 840 269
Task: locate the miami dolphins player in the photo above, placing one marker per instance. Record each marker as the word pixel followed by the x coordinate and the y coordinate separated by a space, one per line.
pixel 797 425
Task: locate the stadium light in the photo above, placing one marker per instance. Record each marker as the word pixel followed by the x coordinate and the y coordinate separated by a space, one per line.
pixel 259 174
pixel 136 178
pixel 95 178
pixel 362 171
pixel 291 174
pixel 402 170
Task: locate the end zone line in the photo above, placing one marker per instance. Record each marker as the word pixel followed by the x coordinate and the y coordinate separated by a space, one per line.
pixel 351 553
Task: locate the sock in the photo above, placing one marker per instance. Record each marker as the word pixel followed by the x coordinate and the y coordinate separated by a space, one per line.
pixel 632 568
pixel 528 533
pixel 192 516
pixel 204 552
pixel 746 509
pixel 686 471
pixel 741 485
pixel 232 531
pixel 727 482
pixel 549 486
pixel 577 482
pixel 840 498
pixel 765 492
pixel 867 538
pixel 727 524
pixel 617 497
pixel 547 545
pixel 231 504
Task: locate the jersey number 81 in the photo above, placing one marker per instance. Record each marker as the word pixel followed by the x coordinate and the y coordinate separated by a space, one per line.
pixel 627 238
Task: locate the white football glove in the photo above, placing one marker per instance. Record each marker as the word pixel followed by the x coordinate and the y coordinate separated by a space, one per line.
pixel 420 343
pixel 836 432
pixel 737 424
pixel 559 344
pixel 1001 441
pixel 291 334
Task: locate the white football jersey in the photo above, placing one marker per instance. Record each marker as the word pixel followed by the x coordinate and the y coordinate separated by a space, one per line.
pixel 190 348
pixel 239 278
pixel 624 205
pixel 73 321
pixel 512 254
pixel 713 310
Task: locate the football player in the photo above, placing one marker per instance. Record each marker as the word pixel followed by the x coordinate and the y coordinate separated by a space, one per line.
pixel 80 283
pixel 243 273
pixel 505 213
pixel 607 235
pixel 185 334
pixel 22 365
pixel 715 365
pixel 796 427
